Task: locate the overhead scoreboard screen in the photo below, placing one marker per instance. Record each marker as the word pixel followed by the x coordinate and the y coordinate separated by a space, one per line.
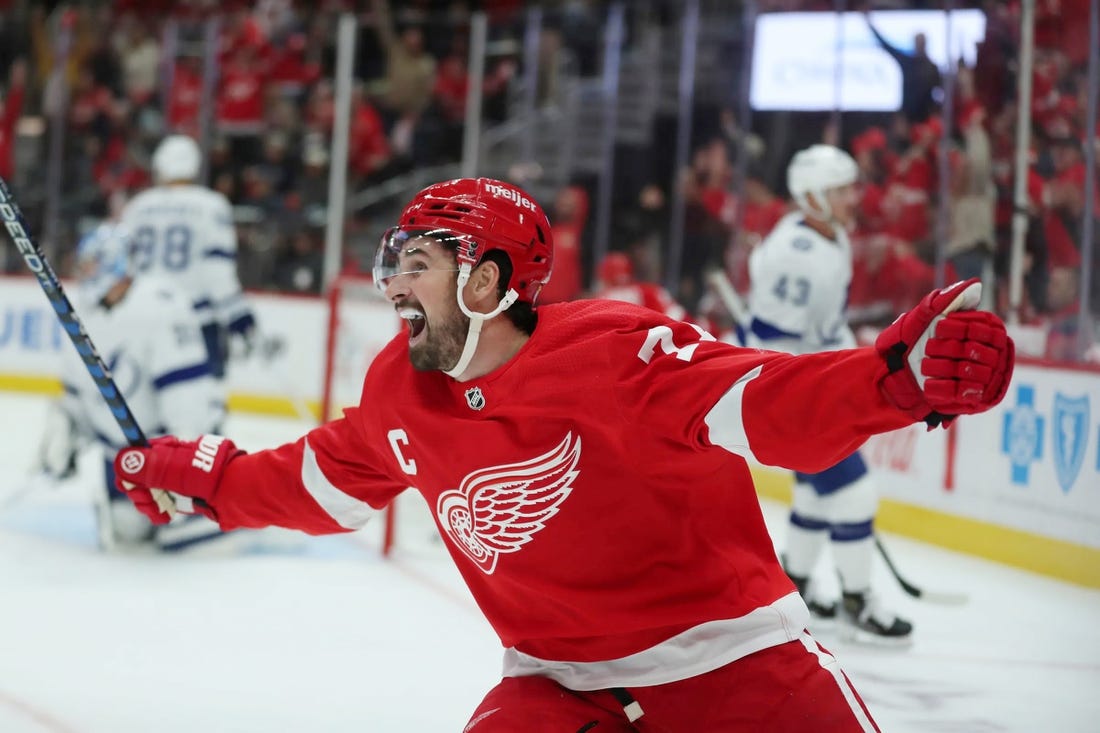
pixel 824 61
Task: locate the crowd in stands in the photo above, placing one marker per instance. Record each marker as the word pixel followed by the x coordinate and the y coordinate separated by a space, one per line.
pixel 899 228
pixel 126 82
pixel 273 106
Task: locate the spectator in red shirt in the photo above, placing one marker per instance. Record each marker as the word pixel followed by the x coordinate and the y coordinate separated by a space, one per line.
pixel 761 211
pixel 451 85
pixel 368 146
pixel 1064 25
pixel 616 274
pixel 888 278
pixel 570 217
pixel 1066 190
pixel 1063 319
pixel 291 71
pixel 240 107
pixel 911 183
pixel 11 108
pixel 242 96
pixel 186 96
pixel 871 151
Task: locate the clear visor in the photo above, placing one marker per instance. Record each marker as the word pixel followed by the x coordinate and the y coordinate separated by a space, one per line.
pixel 411 252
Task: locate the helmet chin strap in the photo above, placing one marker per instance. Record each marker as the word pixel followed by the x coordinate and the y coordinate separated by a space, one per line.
pixel 825 213
pixel 477 320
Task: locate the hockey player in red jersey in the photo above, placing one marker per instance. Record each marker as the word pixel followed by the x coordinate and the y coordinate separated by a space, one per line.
pixel 586 464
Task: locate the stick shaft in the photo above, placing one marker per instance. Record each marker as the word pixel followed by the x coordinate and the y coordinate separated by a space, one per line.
pixel 949 599
pixel 729 297
pixel 19 232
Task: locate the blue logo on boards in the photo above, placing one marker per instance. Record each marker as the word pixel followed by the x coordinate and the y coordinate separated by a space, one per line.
pixel 29 329
pixel 1070 429
pixel 1022 438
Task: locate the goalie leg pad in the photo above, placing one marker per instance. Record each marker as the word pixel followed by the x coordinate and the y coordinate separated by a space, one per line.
pixel 60 443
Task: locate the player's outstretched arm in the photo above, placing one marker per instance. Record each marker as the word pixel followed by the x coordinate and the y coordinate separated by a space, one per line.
pixel 310 484
pixel 935 362
pixel 945 359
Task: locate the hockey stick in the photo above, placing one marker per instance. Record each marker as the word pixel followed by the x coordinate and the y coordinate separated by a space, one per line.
pixel 942 598
pixel 722 287
pixel 19 232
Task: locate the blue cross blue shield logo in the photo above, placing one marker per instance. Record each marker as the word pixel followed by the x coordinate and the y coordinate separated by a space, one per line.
pixel 1070 428
pixel 1022 436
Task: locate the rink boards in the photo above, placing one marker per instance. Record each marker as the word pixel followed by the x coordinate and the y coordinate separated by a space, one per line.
pixel 1019 484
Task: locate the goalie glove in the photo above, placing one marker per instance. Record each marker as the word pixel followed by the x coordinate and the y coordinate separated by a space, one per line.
pixel 243 337
pixel 188 469
pixel 945 359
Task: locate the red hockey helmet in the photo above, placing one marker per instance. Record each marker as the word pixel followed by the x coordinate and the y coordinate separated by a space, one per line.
pixel 616 269
pixel 491 215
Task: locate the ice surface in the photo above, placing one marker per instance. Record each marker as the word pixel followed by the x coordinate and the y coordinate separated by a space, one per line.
pixel 290 633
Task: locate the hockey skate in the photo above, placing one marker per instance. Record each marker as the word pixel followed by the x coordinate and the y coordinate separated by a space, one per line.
pixel 823 611
pixel 862 619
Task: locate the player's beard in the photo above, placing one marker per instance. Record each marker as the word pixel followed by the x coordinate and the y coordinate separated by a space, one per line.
pixel 443 342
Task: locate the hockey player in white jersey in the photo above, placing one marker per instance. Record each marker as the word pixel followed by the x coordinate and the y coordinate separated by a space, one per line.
pixel 184 231
pixel 800 274
pixel 149 336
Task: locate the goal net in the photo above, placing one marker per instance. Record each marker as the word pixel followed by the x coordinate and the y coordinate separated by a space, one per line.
pixel 361 322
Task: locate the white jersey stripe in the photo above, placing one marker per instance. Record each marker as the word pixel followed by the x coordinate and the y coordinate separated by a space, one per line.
pixel 696 651
pixel 347 511
pixel 726 421
pixel 829 664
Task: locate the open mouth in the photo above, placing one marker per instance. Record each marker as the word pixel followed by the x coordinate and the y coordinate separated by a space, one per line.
pixel 415 320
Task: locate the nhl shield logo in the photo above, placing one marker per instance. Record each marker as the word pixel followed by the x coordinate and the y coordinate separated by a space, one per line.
pixel 474 398
pixel 1070 427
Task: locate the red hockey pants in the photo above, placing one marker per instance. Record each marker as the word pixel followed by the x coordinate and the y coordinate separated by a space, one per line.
pixel 791 688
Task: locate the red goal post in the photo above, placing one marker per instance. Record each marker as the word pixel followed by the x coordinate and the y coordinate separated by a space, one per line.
pixel 360 323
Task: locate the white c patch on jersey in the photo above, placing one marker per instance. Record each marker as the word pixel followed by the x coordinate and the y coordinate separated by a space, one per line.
pixel 499 509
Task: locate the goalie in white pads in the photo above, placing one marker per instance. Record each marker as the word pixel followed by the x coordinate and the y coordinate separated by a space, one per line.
pixel 149 336
pixel 800 275
pixel 184 231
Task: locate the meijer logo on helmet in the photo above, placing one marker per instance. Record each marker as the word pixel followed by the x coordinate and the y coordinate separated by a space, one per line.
pixel 513 196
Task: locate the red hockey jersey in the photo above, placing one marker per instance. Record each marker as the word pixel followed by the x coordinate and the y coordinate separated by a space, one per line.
pixel 593 491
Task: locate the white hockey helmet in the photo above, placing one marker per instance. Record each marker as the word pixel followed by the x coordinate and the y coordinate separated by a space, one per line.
pixel 102 259
pixel 177 158
pixel 815 170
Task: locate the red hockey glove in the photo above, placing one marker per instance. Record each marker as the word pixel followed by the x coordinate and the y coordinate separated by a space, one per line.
pixel 188 469
pixel 946 359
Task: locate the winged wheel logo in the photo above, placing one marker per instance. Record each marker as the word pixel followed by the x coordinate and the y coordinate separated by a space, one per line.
pixel 498 510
